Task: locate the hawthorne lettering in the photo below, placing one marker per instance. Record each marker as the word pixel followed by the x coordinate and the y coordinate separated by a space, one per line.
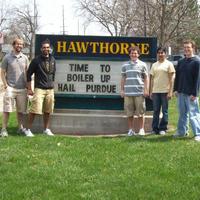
pixel 82 47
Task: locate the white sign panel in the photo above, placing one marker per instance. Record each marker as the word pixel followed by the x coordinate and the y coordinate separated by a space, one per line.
pixel 88 77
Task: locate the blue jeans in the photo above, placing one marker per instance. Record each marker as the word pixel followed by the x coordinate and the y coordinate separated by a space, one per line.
pixel 188 109
pixel 160 101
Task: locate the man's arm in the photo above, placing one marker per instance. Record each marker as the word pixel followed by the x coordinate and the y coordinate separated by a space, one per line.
pixel 54 70
pixel 146 85
pixel 122 86
pixel 171 84
pixel 3 68
pixel 30 72
pixel 196 79
pixel 176 81
pixel 151 86
pixel 3 78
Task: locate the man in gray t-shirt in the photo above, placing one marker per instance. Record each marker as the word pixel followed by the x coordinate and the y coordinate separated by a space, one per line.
pixel 13 74
pixel 134 87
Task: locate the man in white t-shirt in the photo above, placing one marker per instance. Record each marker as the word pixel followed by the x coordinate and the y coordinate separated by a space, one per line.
pixel 162 75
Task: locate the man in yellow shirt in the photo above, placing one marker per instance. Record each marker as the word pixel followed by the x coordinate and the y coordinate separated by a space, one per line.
pixel 162 76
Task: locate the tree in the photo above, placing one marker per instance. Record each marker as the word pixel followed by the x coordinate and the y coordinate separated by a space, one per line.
pixel 168 20
pixel 114 15
pixel 5 13
pixel 25 25
pixel 172 21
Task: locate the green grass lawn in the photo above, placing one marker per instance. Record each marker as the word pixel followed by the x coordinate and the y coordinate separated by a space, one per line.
pixel 95 168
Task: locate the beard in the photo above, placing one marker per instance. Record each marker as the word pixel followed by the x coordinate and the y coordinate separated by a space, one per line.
pixel 18 49
pixel 45 53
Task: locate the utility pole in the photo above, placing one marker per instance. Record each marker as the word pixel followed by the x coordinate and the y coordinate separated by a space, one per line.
pixel 35 20
pixel 145 19
pixel 78 26
pixel 63 17
pixel 34 30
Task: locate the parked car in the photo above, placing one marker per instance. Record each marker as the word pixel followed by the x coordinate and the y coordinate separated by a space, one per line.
pixel 175 58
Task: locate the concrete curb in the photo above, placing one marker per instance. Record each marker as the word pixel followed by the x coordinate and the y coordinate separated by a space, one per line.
pixel 88 122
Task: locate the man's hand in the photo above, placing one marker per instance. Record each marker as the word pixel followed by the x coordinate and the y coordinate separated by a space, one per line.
pixel 5 86
pixel 122 93
pixel 146 93
pixel 169 95
pixel 192 98
pixel 150 95
pixel 175 94
pixel 30 92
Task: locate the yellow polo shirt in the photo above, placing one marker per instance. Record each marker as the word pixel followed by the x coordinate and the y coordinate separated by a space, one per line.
pixel 160 72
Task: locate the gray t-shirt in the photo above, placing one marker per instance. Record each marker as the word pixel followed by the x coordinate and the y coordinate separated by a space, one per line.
pixel 15 67
pixel 134 73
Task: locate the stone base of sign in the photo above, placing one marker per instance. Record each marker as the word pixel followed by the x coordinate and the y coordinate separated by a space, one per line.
pixel 88 122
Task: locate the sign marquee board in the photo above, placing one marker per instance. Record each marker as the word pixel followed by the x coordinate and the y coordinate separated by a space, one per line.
pixel 88 77
pixel 89 68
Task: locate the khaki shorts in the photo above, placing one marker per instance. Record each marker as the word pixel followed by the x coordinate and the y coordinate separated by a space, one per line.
pixel 15 99
pixel 42 101
pixel 134 105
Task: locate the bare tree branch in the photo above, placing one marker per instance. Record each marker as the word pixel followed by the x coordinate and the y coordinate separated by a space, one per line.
pixel 169 21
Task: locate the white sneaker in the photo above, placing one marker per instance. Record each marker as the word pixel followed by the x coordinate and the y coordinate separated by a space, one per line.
pixel 28 133
pixel 131 132
pixel 4 132
pixel 141 132
pixel 48 132
pixel 162 132
pixel 197 138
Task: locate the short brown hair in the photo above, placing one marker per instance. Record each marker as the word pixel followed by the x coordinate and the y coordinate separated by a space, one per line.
pixel 189 41
pixel 135 48
pixel 16 40
pixel 46 41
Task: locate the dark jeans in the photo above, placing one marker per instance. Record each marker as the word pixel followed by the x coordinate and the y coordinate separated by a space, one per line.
pixel 160 101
